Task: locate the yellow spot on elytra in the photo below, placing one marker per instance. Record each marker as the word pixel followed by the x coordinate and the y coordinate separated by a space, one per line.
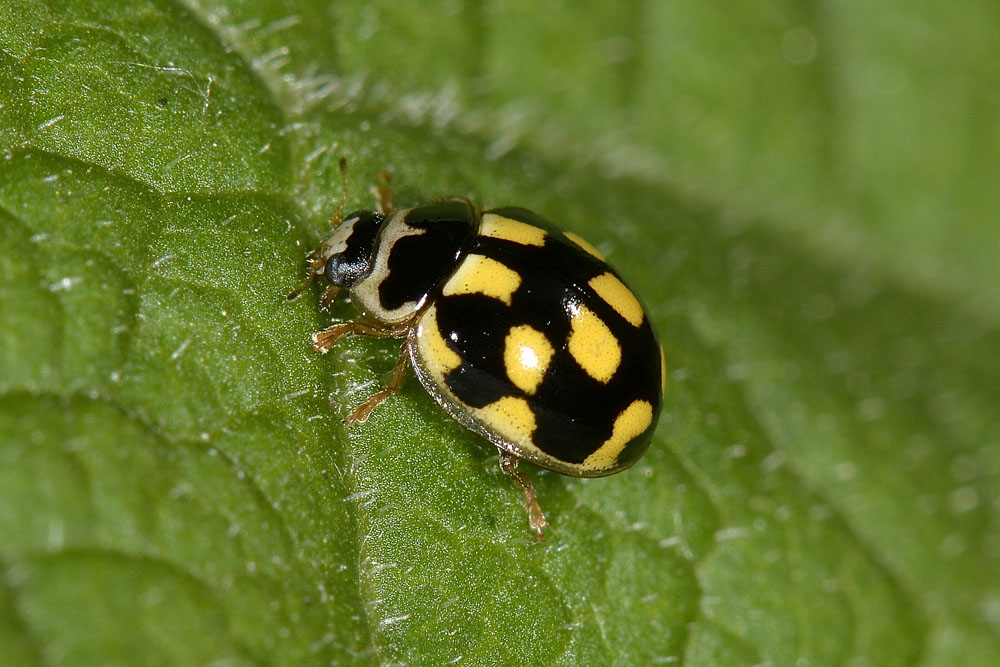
pixel 619 297
pixel 629 424
pixel 592 345
pixel 526 356
pixel 437 357
pixel 483 275
pixel 511 418
pixel 499 227
pixel 663 371
pixel 583 244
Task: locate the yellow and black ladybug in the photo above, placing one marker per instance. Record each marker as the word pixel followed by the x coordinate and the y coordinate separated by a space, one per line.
pixel 522 332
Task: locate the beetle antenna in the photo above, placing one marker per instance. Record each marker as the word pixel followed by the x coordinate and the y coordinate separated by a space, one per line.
pixel 316 263
pixel 338 217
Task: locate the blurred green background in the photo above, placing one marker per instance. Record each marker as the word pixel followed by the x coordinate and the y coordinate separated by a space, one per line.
pixel 804 196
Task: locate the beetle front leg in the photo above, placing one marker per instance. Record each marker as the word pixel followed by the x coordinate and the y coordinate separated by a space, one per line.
pixel 324 340
pixel 315 268
pixel 383 193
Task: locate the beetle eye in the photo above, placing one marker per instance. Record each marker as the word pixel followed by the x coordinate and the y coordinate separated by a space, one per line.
pixel 352 244
pixel 341 271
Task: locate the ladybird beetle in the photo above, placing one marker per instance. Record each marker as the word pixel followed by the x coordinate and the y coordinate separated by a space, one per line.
pixel 522 332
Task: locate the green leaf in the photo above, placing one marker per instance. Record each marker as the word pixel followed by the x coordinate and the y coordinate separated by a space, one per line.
pixel 802 196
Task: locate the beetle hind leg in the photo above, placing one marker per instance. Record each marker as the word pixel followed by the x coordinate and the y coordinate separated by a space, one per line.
pixel 508 463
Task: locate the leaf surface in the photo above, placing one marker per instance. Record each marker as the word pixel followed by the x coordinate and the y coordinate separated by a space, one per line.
pixel 177 487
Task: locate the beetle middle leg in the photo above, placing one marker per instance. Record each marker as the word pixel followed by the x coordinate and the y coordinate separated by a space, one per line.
pixel 508 463
pixel 361 413
pixel 362 326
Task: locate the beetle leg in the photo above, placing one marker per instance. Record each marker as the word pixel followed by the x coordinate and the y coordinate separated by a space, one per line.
pixel 324 340
pixel 508 463
pixel 315 268
pixel 383 193
pixel 361 413
pixel 328 297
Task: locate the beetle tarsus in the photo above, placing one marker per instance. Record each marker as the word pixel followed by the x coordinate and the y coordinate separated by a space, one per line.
pixel 324 340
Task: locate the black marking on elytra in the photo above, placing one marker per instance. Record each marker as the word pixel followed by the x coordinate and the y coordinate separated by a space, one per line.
pixel 449 210
pixel 637 446
pixel 569 391
pixel 475 326
pixel 346 267
pixel 419 263
pixel 574 412
pixel 559 257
